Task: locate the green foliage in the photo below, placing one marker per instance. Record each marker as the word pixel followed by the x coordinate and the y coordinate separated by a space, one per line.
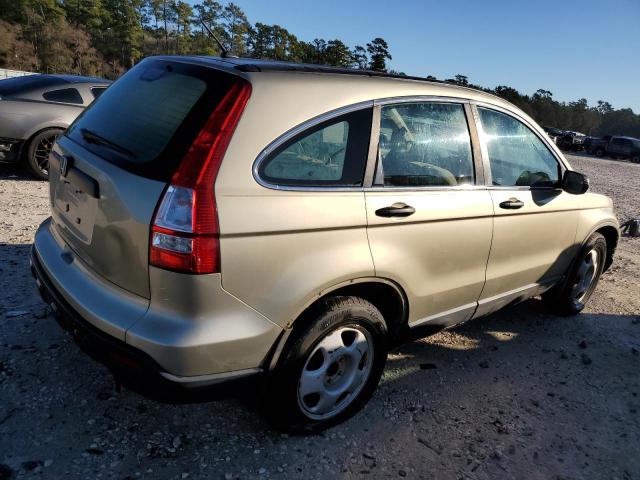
pixel 106 37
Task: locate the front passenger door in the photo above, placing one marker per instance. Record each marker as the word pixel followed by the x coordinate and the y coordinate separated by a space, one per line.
pixel 535 220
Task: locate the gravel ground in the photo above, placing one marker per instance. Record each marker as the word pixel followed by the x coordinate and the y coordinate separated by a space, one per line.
pixel 520 394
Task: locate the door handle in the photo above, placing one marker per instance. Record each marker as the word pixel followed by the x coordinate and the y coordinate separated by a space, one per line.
pixel 512 204
pixel 398 209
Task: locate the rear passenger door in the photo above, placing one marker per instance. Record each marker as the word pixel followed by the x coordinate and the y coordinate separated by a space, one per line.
pixel 429 216
pixel 535 220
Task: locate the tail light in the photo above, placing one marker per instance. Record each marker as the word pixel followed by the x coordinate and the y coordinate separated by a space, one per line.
pixel 185 235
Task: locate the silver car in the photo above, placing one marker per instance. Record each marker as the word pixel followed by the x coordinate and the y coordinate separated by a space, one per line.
pixel 35 109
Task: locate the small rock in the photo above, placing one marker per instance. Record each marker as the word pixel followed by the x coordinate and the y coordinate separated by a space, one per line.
pixel 184 475
pixel 31 465
pixel 262 471
pixel 635 351
pixel 583 344
pixel 48 463
pixel 402 473
pixel 5 471
pixel 103 395
pixel 585 359
pixel 228 476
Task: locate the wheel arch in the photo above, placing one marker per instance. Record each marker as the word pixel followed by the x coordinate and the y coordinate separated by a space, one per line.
pixel 24 147
pixel 386 295
pixel 611 235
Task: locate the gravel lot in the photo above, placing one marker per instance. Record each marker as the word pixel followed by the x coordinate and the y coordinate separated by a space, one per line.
pixel 521 394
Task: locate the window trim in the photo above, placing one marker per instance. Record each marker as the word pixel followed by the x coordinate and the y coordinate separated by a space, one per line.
pixel 479 149
pixel 297 130
pixel 562 165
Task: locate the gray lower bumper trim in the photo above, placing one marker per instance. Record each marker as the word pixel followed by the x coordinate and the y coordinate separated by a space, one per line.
pixel 206 380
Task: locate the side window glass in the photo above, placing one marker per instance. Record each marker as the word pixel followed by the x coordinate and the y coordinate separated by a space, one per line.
pixel 516 155
pixel 64 95
pixel 97 91
pixel 333 153
pixel 425 144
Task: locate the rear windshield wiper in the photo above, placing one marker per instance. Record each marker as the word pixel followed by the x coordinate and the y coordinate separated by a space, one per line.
pixel 93 137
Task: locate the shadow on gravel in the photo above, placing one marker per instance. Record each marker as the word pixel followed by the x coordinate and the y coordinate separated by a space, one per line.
pixel 509 339
pixel 10 171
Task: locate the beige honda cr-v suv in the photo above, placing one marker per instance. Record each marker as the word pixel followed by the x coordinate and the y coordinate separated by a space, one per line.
pixel 216 219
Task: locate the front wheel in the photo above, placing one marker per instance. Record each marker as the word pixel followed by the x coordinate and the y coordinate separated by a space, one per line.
pixel 599 152
pixel 36 158
pixel 330 369
pixel 571 297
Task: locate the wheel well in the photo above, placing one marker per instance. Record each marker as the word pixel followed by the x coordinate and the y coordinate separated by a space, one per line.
pixel 25 144
pixel 611 236
pixel 389 299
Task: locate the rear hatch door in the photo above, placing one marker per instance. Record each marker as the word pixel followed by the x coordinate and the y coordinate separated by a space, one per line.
pixel 110 169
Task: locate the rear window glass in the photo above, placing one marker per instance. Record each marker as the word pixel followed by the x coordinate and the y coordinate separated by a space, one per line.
pixel 146 120
pixel 64 95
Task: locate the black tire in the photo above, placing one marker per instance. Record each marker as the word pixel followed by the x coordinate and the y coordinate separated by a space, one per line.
pixel 567 298
pixel 635 158
pixel 599 152
pixel 283 403
pixel 37 152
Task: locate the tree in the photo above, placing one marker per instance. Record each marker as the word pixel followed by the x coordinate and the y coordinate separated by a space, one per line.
pixel 359 57
pixel 378 54
pixel 337 54
pixel 236 28
pixel 183 14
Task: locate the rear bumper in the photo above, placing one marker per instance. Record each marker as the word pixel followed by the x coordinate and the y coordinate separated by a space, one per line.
pixel 135 336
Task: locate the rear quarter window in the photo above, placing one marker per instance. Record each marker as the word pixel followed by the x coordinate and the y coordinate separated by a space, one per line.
pixel 332 153
pixel 64 95
pixel 97 91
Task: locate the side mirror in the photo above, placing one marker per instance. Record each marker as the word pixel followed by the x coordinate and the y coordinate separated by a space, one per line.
pixel 574 182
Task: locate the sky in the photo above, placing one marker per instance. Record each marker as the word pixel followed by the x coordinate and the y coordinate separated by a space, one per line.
pixel 575 49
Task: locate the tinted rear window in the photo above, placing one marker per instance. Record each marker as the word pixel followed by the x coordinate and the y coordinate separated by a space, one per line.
pixel 146 121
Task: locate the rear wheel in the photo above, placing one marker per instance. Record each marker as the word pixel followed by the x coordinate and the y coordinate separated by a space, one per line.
pixel 599 152
pixel 635 158
pixel 37 153
pixel 571 297
pixel 330 368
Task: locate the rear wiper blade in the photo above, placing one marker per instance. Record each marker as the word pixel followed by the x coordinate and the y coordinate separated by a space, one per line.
pixel 93 137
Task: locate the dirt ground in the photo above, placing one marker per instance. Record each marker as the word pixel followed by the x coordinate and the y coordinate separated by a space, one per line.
pixel 521 394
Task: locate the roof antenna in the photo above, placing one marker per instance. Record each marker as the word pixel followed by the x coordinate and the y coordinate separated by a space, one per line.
pixel 224 52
